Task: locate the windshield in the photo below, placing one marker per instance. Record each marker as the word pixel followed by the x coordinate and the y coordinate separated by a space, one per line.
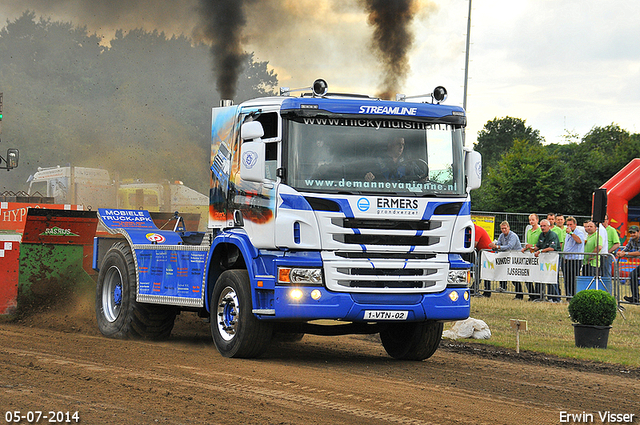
pixel 372 156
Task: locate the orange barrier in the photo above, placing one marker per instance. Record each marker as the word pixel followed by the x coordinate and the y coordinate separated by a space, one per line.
pixel 13 215
pixel 9 264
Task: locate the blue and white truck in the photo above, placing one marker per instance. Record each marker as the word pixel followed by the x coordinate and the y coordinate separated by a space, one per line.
pixel 329 214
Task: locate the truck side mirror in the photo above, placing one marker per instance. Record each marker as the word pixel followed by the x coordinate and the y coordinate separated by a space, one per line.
pixel 252 152
pixel 473 169
pixel 251 130
pixel 12 159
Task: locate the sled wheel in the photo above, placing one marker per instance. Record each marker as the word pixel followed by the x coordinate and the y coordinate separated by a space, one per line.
pixel 118 313
pixel 413 340
pixel 235 329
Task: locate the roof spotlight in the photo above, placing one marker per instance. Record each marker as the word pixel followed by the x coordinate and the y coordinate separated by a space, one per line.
pixel 439 94
pixel 320 87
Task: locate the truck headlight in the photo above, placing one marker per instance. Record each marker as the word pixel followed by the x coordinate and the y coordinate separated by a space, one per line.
pixel 300 276
pixel 459 278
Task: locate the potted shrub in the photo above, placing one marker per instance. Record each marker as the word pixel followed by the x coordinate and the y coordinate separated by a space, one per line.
pixel 593 310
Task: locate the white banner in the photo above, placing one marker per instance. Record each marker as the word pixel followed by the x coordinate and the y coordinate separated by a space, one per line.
pixel 519 267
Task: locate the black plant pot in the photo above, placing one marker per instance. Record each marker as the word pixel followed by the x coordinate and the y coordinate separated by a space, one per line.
pixel 591 336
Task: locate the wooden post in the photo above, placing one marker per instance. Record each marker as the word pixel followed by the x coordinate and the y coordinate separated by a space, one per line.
pixel 518 325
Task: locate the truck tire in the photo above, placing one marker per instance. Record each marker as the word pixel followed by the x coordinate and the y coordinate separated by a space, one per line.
pixel 413 340
pixel 236 331
pixel 118 313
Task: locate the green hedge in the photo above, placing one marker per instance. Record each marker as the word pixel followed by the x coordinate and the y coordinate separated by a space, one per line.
pixel 593 307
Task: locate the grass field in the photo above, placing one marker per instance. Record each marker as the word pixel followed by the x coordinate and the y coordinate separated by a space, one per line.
pixel 550 329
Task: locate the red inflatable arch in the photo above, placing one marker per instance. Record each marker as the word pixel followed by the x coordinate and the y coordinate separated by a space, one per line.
pixel 621 188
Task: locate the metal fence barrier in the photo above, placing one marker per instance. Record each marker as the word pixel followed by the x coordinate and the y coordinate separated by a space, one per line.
pixel 22 196
pixel 574 274
pixel 518 222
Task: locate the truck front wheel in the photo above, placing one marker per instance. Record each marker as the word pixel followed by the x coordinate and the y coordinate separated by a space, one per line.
pixel 118 313
pixel 235 329
pixel 413 340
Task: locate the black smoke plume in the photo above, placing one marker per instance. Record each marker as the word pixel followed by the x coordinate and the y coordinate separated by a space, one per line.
pixel 222 22
pixel 392 39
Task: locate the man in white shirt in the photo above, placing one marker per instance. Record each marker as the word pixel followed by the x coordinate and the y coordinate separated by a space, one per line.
pixel 507 241
pixel 573 243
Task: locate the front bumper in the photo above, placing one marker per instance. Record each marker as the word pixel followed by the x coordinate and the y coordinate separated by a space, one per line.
pixel 351 307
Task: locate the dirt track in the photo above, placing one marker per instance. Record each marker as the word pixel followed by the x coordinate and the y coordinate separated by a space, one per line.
pixel 57 361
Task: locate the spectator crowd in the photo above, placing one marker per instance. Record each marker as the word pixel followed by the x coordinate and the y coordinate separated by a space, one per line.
pixel 589 249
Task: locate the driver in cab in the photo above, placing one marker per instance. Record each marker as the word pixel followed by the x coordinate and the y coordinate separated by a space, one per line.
pixel 393 167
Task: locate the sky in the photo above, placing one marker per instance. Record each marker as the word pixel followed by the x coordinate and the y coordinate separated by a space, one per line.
pixel 563 66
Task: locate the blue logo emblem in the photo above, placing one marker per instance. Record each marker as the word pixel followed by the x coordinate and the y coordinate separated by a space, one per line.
pixel 479 170
pixel 249 158
pixel 363 204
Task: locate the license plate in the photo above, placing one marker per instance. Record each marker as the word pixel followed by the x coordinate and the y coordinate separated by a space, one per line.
pixel 385 315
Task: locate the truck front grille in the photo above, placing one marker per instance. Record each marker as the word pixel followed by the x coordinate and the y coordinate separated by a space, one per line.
pixel 390 284
pixel 374 232
pixel 357 223
pixel 386 240
pixel 385 255
pixel 386 272
pixel 383 277
pixel 398 255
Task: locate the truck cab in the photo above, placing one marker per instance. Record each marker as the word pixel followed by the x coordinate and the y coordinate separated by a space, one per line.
pixel 337 227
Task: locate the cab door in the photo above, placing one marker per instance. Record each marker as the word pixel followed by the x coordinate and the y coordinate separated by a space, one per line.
pixel 254 203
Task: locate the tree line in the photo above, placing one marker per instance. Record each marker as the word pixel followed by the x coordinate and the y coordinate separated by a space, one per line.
pixel 521 173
